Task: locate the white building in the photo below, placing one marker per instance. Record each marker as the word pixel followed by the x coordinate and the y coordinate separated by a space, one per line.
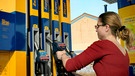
pixel 83 32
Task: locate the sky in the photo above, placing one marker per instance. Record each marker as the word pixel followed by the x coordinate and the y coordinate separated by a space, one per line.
pixel 92 7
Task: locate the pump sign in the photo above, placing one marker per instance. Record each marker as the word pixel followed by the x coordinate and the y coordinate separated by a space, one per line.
pixel 35 4
pixel 6 31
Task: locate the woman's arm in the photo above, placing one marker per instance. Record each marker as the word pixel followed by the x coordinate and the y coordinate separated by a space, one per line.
pixel 93 52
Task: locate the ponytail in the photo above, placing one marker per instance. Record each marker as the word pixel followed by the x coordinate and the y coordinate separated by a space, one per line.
pixel 126 35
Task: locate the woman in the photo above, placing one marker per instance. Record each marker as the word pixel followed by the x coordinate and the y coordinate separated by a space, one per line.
pixel 110 58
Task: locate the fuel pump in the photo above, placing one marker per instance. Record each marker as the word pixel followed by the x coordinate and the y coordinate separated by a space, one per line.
pixel 59 46
pixel 66 41
pixel 34 44
pixel 41 59
pixel 42 56
pixel 46 48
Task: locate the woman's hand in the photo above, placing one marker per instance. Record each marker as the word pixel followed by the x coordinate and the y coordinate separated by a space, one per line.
pixel 60 54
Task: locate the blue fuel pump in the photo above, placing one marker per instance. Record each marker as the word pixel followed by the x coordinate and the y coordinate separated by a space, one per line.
pixel 59 46
pixel 41 60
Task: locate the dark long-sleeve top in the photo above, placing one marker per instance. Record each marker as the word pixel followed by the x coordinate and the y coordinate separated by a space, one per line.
pixel 107 57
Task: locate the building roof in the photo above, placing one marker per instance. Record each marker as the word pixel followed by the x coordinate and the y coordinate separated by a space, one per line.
pixel 110 1
pixel 82 16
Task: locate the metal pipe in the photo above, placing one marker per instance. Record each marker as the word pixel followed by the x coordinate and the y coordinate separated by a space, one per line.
pixel 105 7
pixel 27 35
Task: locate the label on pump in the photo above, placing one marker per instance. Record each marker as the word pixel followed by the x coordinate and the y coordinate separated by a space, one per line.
pixel 43 55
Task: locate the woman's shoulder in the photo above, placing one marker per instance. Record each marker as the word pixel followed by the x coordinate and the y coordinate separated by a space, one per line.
pixel 103 45
pixel 103 42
